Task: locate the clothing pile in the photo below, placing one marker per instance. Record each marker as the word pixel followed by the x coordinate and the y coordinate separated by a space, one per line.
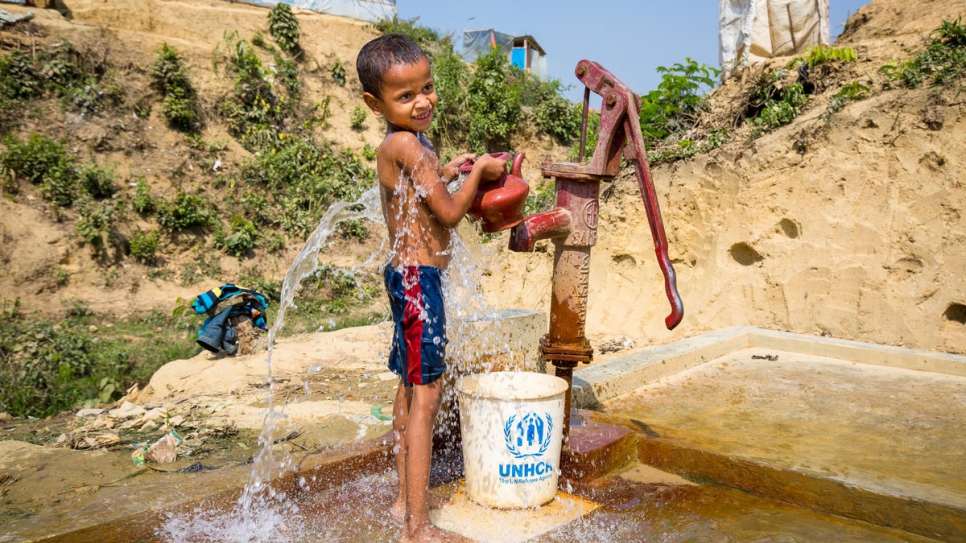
pixel 226 306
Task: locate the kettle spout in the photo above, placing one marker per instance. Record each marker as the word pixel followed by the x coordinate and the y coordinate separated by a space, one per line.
pixel 555 223
pixel 516 168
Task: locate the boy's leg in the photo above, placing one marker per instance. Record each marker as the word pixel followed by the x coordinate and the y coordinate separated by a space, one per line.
pixel 400 417
pixel 419 449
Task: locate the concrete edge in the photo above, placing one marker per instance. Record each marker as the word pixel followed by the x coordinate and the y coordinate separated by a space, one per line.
pixel 892 510
pixel 860 352
pixel 613 378
pixel 619 376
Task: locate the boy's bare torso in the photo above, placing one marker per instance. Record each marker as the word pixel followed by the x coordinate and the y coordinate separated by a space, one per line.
pixel 417 236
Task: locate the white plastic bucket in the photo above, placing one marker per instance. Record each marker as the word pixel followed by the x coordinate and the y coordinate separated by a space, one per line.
pixel 512 426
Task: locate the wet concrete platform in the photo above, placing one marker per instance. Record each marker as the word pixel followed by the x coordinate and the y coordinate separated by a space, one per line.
pixel 870 439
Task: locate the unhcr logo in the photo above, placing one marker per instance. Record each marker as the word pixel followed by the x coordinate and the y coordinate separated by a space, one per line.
pixel 527 437
pixel 530 437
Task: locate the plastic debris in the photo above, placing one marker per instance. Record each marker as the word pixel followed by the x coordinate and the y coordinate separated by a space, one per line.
pixel 161 451
pixel 376 411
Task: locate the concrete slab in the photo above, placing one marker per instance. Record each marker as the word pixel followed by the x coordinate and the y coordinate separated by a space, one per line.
pixel 607 380
pixel 877 442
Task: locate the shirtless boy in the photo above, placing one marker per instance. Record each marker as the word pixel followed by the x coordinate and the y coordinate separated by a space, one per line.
pixel 420 214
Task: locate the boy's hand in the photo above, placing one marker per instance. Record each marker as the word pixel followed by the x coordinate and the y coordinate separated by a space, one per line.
pixel 491 168
pixel 451 169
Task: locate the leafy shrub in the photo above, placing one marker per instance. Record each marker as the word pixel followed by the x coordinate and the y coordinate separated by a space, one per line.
pixel 849 92
pixel 94 224
pixel 775 104
pixel 50 366
pixel 170 77
pixel 338 73
pixel 287 73
pixel 97 181
pixel 184 212
pixel 179 112
pixel 255 114
pixel 942 61
pixel 284 27
pixel 357 117
pixel 144 245
pixel 821 54
pixel 241 239
pixel 451 77
pixel 559 117
pixel 35 158
pixel 143 201
pixel 300 180
pixel 493 104
pixel 674 106
pixel 18 77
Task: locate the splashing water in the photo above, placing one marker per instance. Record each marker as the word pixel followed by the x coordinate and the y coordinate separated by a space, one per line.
pixel 262 514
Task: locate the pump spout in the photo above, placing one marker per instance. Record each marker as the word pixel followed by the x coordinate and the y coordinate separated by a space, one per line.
pixel 555 223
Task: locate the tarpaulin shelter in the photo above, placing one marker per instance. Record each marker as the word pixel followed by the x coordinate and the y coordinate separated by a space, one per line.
pixel 523 51
pixel 365 10
pixel 750 31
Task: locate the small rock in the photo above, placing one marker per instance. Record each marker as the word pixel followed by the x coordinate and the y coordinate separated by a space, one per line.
pixel 176 421
pixel 5 417
pixel 92 329
pixel 126 411
pixel 84 413
pixel 148 426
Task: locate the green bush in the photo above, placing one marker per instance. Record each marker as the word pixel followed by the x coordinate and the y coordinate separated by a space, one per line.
pixel 94 224
pixel 493 104
pixel 451 77
pixel 821 54
pixel 50 366
pixel 36 158
pixel 143 201
pixel 941 62
pixel 779 106
pixel 338 73
pixel 673 107
pixel 170 77
pixel 428 39
pixel 559 117
pixel 357 117
pixel 241 238
pixel 96 181
pixel 284 27
pixel 184 212
pixel 144 245
pixel 18 77
pixel 297 180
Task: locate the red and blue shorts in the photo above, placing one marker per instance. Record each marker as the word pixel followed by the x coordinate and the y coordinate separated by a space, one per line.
pixel 419 323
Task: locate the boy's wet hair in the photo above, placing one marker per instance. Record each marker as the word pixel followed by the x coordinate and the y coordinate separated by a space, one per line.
pixel 379 55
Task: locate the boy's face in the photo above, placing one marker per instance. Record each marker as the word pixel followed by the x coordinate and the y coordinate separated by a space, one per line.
pixel 407 96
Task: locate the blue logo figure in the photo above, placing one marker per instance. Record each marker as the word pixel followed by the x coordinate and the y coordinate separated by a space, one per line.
pixel 528 437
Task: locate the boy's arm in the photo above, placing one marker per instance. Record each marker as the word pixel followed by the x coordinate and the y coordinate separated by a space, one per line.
pixel 415 162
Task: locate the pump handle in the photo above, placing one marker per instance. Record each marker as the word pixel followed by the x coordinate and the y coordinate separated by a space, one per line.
pixel 616 97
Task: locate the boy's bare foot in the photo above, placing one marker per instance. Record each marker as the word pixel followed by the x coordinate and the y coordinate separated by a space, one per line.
pixel 431 534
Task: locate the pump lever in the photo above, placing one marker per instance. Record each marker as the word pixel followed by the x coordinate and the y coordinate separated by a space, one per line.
pixel 622 104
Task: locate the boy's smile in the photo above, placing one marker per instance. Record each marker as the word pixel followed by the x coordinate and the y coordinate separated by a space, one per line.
pixel 407 96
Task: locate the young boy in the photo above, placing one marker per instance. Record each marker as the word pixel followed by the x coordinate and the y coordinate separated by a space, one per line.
pixel 420 214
